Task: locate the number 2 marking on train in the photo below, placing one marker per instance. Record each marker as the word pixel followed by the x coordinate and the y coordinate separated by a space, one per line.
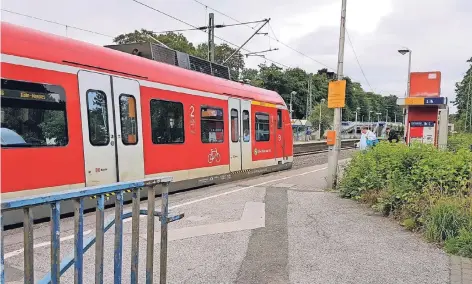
pixel 192 119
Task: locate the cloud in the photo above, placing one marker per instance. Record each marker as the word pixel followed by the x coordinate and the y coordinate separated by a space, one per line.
pixel 435 31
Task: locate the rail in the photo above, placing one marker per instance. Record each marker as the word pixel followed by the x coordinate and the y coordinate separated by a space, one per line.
pixel 308 148
pixel 81 246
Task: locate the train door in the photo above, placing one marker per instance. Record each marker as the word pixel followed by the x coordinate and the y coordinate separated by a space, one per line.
pixel 246 144
pixel 279 137
pixel 107 110
pixel 234 106
pixel 129 142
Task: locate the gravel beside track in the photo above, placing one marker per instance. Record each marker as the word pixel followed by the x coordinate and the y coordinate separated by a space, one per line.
pixel 319 158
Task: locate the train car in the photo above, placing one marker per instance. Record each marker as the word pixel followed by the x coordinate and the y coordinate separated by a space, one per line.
pixel 74 114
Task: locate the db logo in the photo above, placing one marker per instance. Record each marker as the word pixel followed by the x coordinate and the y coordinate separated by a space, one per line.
pixel 279 137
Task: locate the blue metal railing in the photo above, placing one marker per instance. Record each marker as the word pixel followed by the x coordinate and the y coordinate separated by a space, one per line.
pixel 80 246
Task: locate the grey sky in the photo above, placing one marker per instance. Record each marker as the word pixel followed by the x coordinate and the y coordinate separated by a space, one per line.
pixel 437 31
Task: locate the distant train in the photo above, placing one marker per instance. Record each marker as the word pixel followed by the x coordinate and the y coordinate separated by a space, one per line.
pixel 75 114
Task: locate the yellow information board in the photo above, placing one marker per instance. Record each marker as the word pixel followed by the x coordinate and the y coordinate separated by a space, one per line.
pixel 337 94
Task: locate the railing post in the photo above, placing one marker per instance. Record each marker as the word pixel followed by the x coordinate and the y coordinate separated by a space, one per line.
pixel 164 214
pixel 99 232
pixel 2 260
pixel 135 236
pixel 28 245
pixel 150 234
pixel 55 242
pixel 99 235
pixel 118 236
pixel 79 240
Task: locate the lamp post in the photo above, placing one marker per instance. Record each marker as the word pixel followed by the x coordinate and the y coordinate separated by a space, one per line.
pixel 403 52
pixel 378 116
pixel 357 109
pixel 370 122
pixel 319 124
pixel 405 116
pixel 291 98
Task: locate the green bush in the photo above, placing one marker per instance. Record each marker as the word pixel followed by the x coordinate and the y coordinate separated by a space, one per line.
pixel 447 218
pixel 459 141
pixel 460 245
pixel 405 173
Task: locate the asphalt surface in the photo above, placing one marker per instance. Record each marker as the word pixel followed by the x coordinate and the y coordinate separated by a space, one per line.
pixel 276 228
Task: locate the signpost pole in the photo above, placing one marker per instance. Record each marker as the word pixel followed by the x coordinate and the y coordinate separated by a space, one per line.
pixel 334 151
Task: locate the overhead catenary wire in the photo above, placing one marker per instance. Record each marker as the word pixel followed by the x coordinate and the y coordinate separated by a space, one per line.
pixel 358 62
pixel 57 23
pixel 193 26
pixel 67 26
pixel 206 27
pixel 274 38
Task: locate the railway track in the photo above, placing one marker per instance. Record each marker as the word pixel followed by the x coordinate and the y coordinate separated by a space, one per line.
pixel 310 148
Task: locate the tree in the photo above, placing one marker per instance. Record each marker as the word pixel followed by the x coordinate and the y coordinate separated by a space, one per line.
pixel 179 42
pixel 222 52
pixel 252 75
pixel 463 101
pixel 327 116
pixel 176 41
pixel 137 36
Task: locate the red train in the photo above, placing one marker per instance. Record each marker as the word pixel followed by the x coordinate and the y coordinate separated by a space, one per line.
pixel 75 114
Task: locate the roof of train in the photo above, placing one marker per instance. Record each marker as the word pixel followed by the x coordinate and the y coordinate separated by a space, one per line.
pixel 30 43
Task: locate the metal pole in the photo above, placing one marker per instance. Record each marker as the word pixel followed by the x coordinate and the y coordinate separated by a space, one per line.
pixel 291 97
pixel 334 151
pixel 211 37
pixel 319 124
pixel 311 96
pixel 467 104
pixel 307 98
pixel 409 72
pixel 239 48
pixel 164 214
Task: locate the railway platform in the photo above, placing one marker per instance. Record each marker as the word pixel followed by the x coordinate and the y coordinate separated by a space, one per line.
pixel 276 228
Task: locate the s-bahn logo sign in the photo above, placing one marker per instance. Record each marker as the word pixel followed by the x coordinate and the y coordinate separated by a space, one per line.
pixel 261 151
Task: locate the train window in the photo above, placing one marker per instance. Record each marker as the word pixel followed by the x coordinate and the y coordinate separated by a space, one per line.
pixel 212 125
pixel 167 122
pixel 262 127
pixel 97 109
pixel 279 119
pixel 246 129
pixel 32 114
pixel 234 125
pixel 129 125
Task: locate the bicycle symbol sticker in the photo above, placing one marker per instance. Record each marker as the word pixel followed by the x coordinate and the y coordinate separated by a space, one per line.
pixel 214 156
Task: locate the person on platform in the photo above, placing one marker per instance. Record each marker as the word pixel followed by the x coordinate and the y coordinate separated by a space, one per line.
pixel 392 135
pixel 368 139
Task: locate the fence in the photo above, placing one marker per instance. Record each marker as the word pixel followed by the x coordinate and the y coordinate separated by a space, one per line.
pixel 80 246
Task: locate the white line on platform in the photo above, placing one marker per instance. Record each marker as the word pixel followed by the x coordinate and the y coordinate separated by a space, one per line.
pixel 19 251
pixel 44 244
pixel 243 188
